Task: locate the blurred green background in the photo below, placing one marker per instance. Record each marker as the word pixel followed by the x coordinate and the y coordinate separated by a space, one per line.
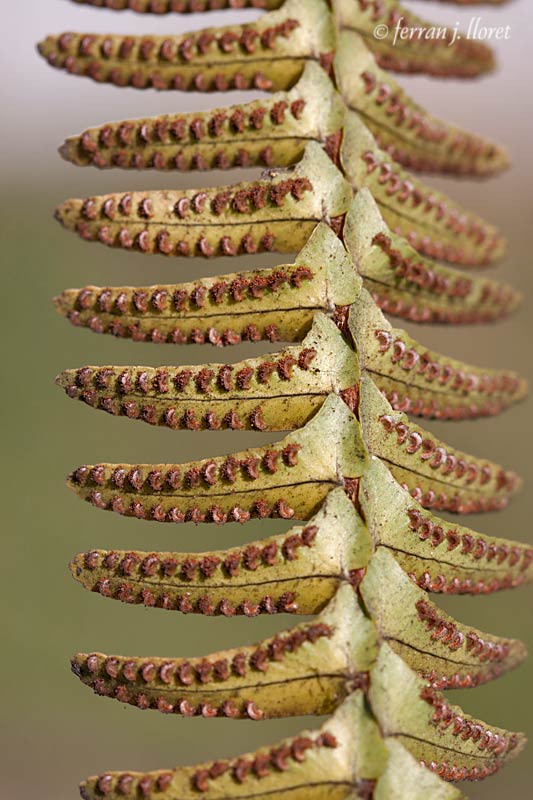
pixel 53 731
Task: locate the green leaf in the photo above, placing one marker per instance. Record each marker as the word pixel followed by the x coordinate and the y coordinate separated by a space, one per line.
pixel 273 304
pixel 421 381
pixel 270 131
pixel 405 779
pixel 402 128
pixel 297 572
pixel 439 556
pixel 432 729
pixel 444 651
pixel 289 480
pixel 405 284
pixel 275 392
pixel 337 761
pixel 309 669
pixel 244 218
pixel 436 475
pixel 267 54
pixel 431 222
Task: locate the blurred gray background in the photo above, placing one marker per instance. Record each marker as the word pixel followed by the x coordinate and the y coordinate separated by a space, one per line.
pixel 53 731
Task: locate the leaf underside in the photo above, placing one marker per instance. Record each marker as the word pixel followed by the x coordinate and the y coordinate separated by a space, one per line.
pixel 207 61
pixel 276 129
pixel 360 475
